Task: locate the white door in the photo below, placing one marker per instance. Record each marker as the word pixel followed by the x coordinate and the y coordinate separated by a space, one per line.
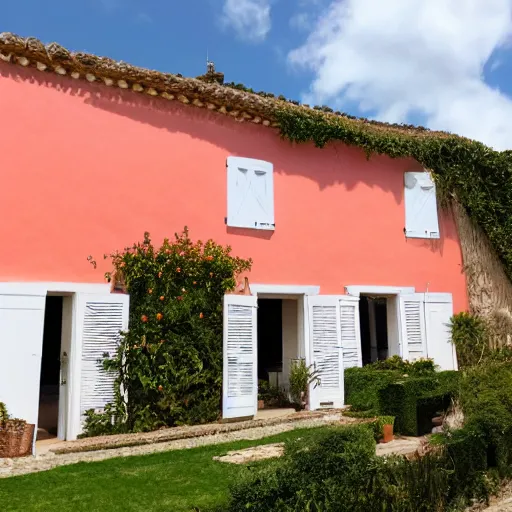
pixel 21 347
pixel 240 361
pixel 412 326
pixel 350 332
pixel 438 312
pixel 101 319
pixel 326 353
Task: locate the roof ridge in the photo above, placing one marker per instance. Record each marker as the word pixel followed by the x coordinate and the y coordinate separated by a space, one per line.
pixel 236 100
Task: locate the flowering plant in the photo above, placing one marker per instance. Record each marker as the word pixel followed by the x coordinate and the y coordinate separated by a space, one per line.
pixel 169 363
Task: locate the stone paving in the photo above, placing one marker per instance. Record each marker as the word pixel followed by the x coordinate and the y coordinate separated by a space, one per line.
pixel 407 446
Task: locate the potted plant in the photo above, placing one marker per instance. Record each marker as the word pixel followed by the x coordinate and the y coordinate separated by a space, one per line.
pixel 301 376
pixel 385 428
pixel 16 436
pixel 270 396
pixel 262 387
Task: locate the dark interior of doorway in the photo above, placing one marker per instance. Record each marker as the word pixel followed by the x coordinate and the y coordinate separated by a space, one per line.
pixel 270 338
pixel 50 369
pixel 377 324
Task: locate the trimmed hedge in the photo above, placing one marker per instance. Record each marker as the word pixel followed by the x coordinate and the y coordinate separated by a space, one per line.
pixel 415 400
pixel 486 398
pixel 411 392
pixel 362 386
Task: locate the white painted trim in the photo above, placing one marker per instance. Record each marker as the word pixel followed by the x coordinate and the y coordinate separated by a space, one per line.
pixel 438 297
pixel 307 339
pixel 41 289
pixel 284 289
pixel 356 290
pixel 36 289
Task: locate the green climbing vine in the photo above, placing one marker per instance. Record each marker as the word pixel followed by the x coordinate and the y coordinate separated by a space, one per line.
pixel 478 176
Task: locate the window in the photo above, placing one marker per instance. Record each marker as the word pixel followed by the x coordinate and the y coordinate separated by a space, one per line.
pixel 250 193
pixel 420 206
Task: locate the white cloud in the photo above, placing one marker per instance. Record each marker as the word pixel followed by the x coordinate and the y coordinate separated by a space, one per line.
pixel 398 58
pixel 249 18
pixel 306 14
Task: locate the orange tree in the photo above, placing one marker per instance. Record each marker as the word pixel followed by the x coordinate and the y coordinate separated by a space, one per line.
pixel 169 363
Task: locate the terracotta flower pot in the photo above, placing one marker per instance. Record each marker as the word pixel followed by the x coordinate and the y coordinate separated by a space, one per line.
pixel 261 404
pixel 387 433
pixel 27 440
pixel 11 434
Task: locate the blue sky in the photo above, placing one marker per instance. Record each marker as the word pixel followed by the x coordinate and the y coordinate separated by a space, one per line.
pixel 446 64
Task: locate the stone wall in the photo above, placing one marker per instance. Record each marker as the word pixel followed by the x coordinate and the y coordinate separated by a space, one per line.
pixel 489 288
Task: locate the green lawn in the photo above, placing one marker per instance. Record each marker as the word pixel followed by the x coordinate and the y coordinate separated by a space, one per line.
pixel 172 482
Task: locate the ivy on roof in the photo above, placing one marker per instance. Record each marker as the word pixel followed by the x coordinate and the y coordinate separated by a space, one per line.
pixel 477 176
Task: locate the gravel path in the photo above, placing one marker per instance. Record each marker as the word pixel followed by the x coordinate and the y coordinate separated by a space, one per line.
pixel 49 460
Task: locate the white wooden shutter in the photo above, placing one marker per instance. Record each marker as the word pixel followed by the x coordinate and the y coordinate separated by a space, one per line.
pixel 250 193
pixel 326 351
pixel 350 332
pixel 240 376
pixel 438 312
pixel 412 316
pixel 421 219
pixel 103 317
pixel 21 347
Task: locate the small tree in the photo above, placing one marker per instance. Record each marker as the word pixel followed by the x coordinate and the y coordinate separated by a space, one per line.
pixel 169 363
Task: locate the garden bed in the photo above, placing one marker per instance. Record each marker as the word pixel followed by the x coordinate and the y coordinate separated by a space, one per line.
pixel 187 432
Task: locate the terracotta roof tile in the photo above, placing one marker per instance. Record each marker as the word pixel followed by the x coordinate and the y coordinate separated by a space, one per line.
pixel 232 99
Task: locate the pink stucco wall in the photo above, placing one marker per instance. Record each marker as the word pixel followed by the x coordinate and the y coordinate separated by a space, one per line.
pixel 87 169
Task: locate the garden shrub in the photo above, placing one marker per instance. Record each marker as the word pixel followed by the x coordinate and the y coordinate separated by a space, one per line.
pixel 170 361
pixel 403 485
pixel 322 474
pixel 306 472
pixel 467 459
pixel 470 336
pixel 362 387
pixel 415 400
pixel 338 471
pixel 396 363
pixel 486 398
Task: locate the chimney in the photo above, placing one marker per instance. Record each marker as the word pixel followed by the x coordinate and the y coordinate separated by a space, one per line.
pixel 212 76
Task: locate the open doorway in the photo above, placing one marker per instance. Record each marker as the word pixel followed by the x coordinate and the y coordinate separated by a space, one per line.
pixel 279 330
pixel 50 369
pixel 374 318
pixel 270 341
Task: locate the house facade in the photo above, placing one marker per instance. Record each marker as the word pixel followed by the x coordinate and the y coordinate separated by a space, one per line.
pixel 353 259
